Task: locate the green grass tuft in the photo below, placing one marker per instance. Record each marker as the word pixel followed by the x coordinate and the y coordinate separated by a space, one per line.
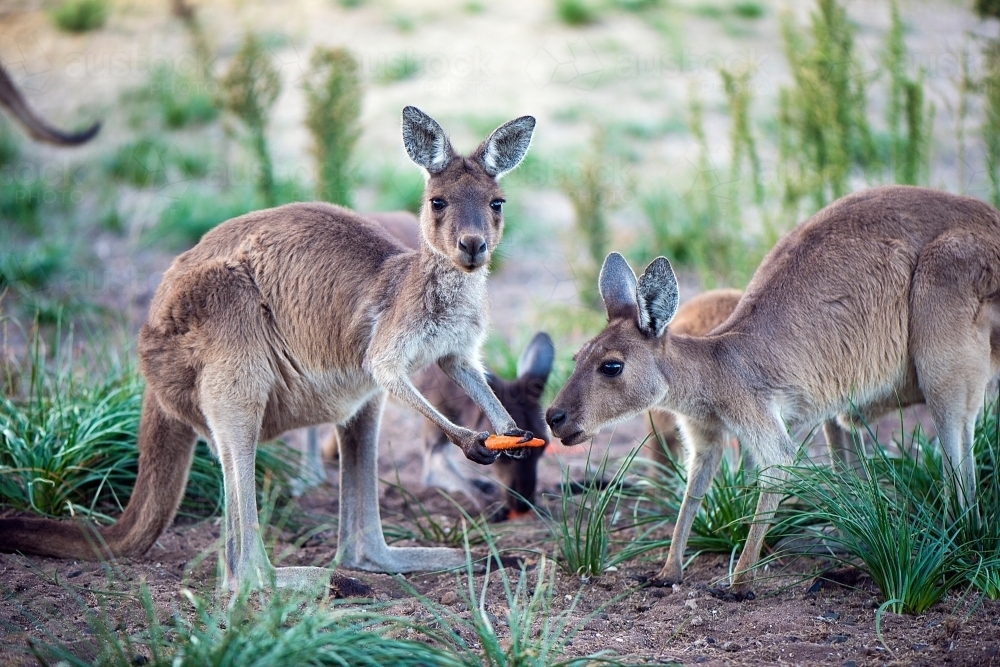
pixel 576 12
pixel 81 15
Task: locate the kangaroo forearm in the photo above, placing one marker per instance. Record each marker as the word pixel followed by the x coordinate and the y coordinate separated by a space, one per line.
pixel 473 382
pixel 404 391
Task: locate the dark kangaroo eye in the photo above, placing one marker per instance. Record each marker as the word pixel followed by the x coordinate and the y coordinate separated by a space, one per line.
pixel 611 368
pixel 497 205
pixel 438 204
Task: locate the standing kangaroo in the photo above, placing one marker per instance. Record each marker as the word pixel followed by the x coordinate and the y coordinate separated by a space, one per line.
pixel 885 298
pixel 520 398
pixel 304 314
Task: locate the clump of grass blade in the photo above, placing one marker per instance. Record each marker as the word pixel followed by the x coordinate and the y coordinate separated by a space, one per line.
pixel 901 540
pixel 527 631
pixel 584 522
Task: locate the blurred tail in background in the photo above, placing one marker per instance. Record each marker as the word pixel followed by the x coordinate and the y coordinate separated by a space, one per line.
pixel 11 99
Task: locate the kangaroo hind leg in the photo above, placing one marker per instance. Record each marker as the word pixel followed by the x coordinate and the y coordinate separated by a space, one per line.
pixel 234 408
pixel 362 544
pixel 953 321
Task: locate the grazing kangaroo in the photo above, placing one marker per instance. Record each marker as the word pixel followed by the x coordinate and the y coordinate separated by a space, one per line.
pixel 886 297
pixel 520 397
pixel 11 99
pixel 305 314
pixel 698 316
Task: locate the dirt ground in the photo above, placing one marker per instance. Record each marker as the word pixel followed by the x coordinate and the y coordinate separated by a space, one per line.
pixel 533 64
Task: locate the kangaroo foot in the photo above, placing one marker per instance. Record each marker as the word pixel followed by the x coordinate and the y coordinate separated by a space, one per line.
pixel 399 560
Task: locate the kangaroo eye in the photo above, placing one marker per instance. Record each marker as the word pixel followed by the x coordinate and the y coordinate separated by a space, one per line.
pixel 611 368
pixel 497 205
pixel 438 204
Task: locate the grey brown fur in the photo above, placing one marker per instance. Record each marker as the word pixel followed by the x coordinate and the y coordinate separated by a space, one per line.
pixel 885 298
pixel 294 316
pixel 520 397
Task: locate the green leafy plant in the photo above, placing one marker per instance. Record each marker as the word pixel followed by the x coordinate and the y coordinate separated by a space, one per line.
pixel 576 12
pixel 902 543
pixel 333 106
pixel 182 100
pixel 188 218
pixel 822 117
pixel 527 631
pixel 68 441
pixel 398 188
pixel 593 185
pixel 400 67
pixel 909 147
pixel 250 88
pixel 81 15
pixel 252 631
pixel 584 523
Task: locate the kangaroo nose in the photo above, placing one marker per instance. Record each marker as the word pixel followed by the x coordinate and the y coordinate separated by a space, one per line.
pixel 556 417
pixel 472 244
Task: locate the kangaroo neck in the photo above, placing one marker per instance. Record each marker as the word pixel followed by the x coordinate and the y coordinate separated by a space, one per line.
pixel 444 283
pixel 695 368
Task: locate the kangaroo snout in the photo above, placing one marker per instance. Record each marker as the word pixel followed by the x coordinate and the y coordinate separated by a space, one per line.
pixel 568 431
pixel 473 250
pixel 556 418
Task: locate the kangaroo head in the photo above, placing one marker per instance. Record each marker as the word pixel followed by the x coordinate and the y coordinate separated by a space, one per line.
pixel 462 213
pixel 617 373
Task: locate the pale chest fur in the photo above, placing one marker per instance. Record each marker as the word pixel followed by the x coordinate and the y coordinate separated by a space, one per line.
pixel 453 320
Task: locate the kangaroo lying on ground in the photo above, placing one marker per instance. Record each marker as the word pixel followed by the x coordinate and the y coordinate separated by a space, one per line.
pixel 304 314
pixel 11 99
pixel 520 397
pixel 885 298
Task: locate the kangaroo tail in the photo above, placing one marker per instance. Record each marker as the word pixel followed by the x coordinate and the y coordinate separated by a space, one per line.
pixel 11 98
pixel 166 447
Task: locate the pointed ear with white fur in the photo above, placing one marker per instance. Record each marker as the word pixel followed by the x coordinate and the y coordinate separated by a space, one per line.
pixel 657 297
pixel 506 146
pixel 425 141
pixel 617 283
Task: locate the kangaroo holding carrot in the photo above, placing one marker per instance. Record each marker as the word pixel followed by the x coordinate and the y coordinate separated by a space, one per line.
pixel 885 298
pixel 304 314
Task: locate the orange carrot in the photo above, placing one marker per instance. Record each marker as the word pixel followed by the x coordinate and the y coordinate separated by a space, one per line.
pixel 501 442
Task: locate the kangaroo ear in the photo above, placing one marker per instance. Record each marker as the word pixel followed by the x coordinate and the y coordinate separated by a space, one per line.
pixel 617 283
pixel 657 296
pixel 536 360
pixel 425 141
pixel 506 147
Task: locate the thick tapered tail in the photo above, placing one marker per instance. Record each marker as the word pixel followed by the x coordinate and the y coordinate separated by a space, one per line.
pixel 165 450
pixel 11 98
